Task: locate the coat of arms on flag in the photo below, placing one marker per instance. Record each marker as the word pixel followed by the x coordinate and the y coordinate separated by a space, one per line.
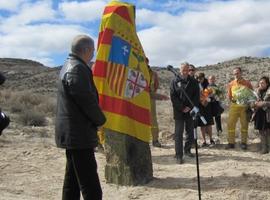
pixel 121 74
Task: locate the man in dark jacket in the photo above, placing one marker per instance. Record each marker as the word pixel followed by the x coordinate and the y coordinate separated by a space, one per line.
pixel 78 117
pixel 181 110
pixel 4 119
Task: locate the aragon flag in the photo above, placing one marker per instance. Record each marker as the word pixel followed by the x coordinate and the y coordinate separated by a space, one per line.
pixel 121 74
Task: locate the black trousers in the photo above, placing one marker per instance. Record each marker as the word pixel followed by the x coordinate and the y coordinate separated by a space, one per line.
pixel 187 123
pixel 218 123
pixel 81 175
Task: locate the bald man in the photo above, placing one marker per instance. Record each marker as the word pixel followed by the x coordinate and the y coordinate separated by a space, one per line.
pixel 78 117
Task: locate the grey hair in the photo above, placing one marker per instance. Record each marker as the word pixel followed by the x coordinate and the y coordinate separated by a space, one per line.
pixel 80 43
pixel 184 64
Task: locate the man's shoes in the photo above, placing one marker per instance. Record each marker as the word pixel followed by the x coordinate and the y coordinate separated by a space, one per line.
pixel 244 146
pixel 264 151
pixel 204 144
pixel 179 160
pixel 229 146
pixel 156 144
pixel 212 142
pixel 189 154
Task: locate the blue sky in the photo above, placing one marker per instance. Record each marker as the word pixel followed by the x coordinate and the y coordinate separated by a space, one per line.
pixel 171 31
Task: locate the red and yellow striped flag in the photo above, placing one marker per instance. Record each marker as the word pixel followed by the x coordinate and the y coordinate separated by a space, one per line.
pixel 121 73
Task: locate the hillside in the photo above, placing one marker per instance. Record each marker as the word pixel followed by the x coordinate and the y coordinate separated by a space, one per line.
pixel 253 68
pixel 24 74
pixel 32 168
pixel 30 75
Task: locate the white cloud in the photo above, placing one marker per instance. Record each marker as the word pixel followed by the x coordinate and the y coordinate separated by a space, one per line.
pixel 39 42
pixel 36 33
pixel 204 33
pixel 83 11
pixel 219 31
pixel 29 13
pixel 11 5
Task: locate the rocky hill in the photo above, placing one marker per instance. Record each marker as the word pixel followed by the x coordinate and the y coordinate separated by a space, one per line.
pixel 30 75
pixel 25 74
pixel 253 68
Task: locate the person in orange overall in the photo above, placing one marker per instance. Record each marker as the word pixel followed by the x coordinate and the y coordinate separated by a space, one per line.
pixel 237 110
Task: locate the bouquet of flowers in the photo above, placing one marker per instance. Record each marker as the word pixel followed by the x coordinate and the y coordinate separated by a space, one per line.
pixel 244 96
pixel 205 94
pixel 217 92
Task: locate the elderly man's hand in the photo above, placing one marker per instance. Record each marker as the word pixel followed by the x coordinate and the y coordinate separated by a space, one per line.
pixel 186 109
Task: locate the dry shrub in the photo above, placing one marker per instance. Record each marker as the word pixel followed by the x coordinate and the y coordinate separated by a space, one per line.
pixel 32 109
pixel 32 118
pixel 48 107
pixel 30 99
pixel 16 107
pixel 5 95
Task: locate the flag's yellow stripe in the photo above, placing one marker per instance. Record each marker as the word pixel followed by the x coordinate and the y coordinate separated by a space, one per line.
pixel 130 127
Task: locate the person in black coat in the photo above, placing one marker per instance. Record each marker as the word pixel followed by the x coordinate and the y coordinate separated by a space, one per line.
pixel 262 113
pixel 4 119
pixel 2 78
pixel 78 117
pixel 181 110
pixel 205 109
pixel 216 107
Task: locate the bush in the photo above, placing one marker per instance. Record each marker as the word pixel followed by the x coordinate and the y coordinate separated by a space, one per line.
pixel 32 118
pixel 30 99
pixel 47 107
pixel 16 107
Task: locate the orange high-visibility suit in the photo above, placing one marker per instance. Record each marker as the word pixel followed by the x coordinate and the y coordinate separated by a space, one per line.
pixel 237 111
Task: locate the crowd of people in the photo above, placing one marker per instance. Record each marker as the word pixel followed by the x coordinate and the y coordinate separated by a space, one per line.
pixel 245 104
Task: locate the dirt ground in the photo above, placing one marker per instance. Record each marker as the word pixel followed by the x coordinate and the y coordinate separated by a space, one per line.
pixel 32 168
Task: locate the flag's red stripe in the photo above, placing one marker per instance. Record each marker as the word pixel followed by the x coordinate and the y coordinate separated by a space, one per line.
pixel 110 71
pixel 100 68
pixel 114 81
pixel 120 10
pixel 125 108
pixel 105 37
pixel 119 69
pixel 121 81
pixel 113 74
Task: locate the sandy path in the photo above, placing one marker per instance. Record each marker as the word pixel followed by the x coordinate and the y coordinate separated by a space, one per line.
pixel 33 168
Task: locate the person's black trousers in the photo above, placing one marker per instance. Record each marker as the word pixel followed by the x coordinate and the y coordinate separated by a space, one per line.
pixel 81 175
pixel 218 123
pixel 187 123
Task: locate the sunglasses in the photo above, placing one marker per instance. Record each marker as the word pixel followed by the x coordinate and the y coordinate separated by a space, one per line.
pixel 191 70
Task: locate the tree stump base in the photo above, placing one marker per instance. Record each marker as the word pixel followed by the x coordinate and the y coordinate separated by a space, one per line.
pixel 129 160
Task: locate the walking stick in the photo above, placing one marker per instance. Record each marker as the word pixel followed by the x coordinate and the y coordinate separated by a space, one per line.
pixel 195 113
